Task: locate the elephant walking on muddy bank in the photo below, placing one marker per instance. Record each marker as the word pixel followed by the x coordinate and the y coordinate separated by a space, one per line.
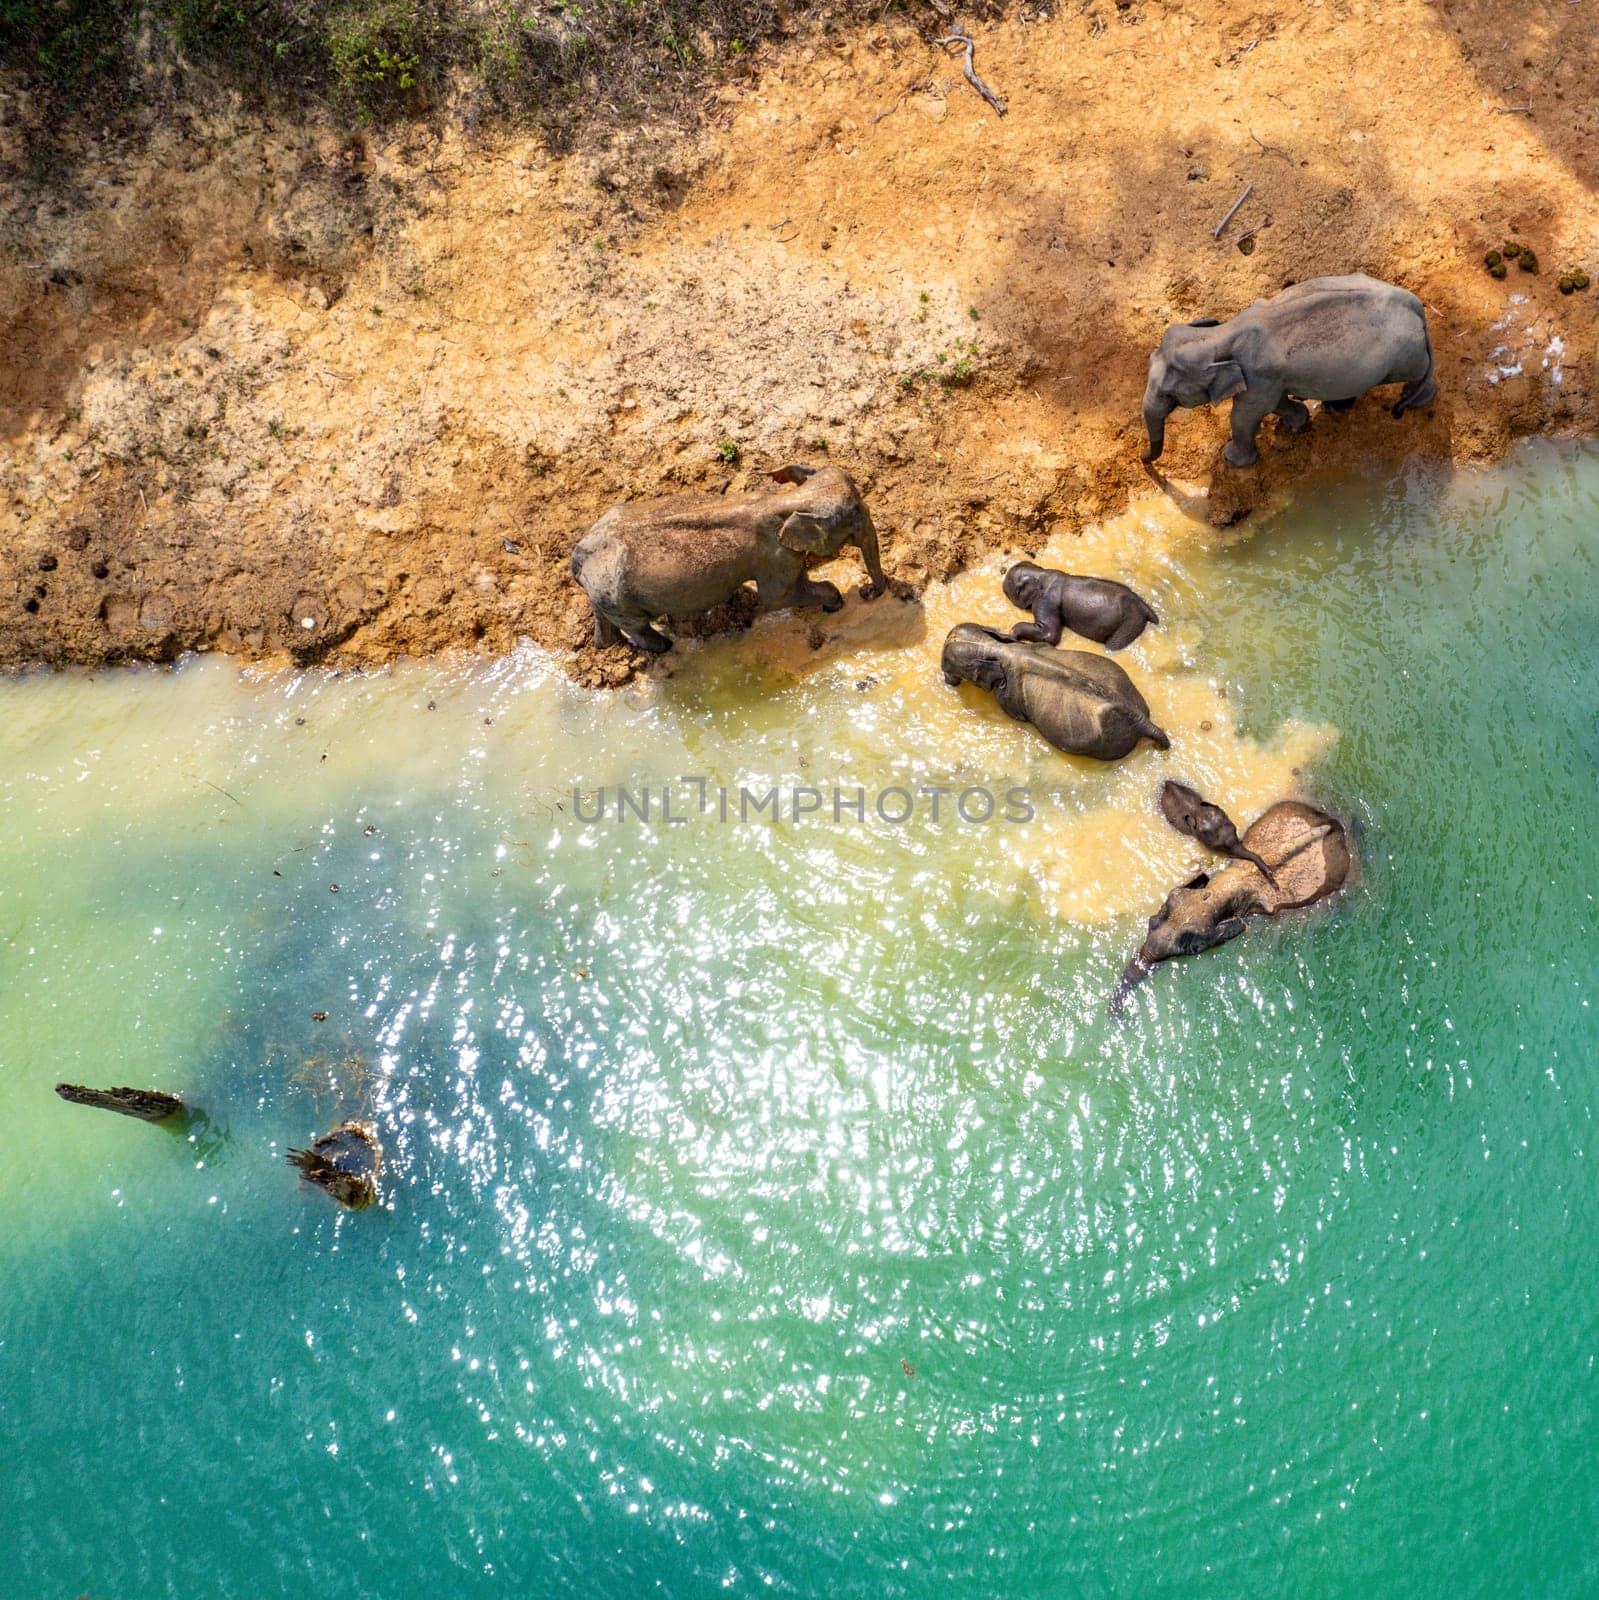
pixel 1327 339
pixel 681 556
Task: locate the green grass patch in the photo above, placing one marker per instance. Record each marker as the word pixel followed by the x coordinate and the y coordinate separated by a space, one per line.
pixel 561 62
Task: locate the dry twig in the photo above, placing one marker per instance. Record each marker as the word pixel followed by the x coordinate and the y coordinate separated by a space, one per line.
pixel 1232 211
pixel 899 100
pixel 971 72
pixel 1270 149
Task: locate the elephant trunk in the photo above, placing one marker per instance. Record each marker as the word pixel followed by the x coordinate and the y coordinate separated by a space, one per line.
pixel 1244 853
pixel 1157 407
pixel 866 543
pixel 1133 974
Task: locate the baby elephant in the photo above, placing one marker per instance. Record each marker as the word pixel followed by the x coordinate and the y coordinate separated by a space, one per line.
pixel 1082 703
pixel 684 555
pixel 1109 613
pixel 1327 339
pixel 1190 812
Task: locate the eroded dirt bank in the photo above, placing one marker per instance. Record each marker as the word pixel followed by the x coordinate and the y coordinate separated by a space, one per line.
pixel 290 390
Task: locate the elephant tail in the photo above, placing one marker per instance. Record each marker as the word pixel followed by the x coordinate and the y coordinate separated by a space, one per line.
pixel 1148 611
pixel 1156 736
pixel 1133 974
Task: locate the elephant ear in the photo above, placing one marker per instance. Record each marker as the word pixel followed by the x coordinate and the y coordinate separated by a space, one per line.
pixel 1005 699
pixel 1224 379
pixel 801 532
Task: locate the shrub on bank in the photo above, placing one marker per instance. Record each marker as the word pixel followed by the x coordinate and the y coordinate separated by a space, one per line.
pixel 378 57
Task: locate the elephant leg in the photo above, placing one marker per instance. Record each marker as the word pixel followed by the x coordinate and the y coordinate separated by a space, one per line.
pixel 1127 630
pixel 1420 393
pixel 639 632
pixel 649 638
pixel 1034 631
pixel 1250 409
pixel 777 584
pixel 1293 414
pixel 606 632
pixel 826 595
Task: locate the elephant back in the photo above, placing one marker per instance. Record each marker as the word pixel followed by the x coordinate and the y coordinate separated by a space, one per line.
pixel 1308 851
pixel 1083 704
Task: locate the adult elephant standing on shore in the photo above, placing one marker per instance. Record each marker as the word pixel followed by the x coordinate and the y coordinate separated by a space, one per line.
pixel 683 555
pixel 1327 339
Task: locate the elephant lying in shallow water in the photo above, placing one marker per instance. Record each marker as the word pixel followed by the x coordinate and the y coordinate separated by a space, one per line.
pixel 1310 859
pixel 1100 609
pixel 1082 703
pixel 1327 339
pixel 686 554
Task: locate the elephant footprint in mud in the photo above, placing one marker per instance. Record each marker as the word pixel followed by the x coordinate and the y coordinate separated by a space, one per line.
pixel 1081 703
pixel 684 555
pixel 1327 339
pixel 1309 856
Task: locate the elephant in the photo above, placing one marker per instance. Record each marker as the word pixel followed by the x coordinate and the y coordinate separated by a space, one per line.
pixel 1327 339
pixel 1100 609
pixel 688 553
pixel 1311 859
pixel 1081 703
pixel 1190 812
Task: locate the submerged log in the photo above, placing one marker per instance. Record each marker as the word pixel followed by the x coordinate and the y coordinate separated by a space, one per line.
pixel 345 1162
pixel 1307 856
pixel 149 1105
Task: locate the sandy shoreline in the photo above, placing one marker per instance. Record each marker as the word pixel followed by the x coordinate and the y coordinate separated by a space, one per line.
pixel 298 394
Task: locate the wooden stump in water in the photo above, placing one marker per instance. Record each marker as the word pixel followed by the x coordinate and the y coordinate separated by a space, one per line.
pixel 149 1105
pixel 345 1162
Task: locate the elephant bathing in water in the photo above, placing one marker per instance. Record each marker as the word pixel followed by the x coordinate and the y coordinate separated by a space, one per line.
pixel 1100 609
pixel 1310 859
pixel 1082 703
pixel 1188 811
pixel 680 556
pixel 1327 339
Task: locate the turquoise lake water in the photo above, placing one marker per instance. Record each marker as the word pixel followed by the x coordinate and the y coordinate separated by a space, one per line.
pixel 699 1137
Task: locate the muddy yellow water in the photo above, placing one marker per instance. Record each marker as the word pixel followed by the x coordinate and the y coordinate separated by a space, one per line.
pixel 1096 847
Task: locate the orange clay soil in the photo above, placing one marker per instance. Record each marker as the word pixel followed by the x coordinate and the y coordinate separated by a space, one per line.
pixel 285 391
